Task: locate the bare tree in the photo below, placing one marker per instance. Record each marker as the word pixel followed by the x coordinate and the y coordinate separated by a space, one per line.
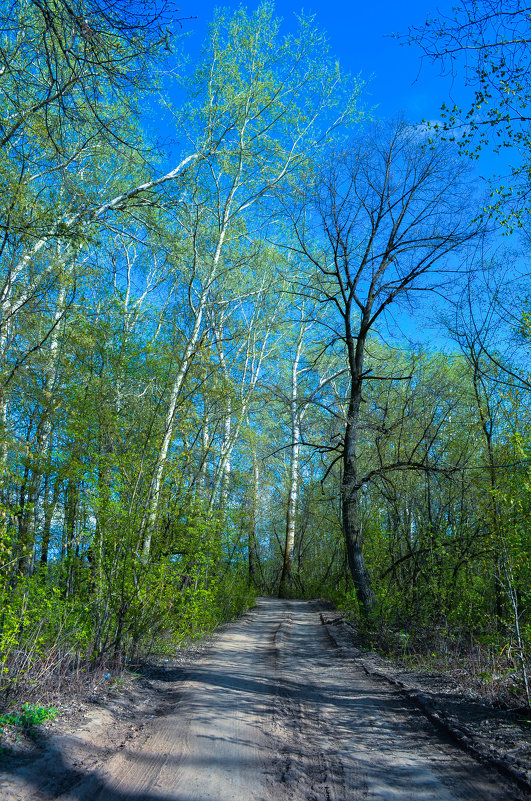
pixel 378 221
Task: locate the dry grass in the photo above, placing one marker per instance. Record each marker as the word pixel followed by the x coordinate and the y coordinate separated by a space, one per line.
pixel 492 670
pixel 57 676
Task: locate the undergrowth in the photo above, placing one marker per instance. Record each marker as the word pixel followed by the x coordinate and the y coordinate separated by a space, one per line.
pixel 487 666
pixel 49 659
pixel 27 717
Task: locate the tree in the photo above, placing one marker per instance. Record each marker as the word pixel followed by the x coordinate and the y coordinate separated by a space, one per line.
pixel 260 109
pixel 72 80
pixel 374 227
pixel 309 376
pixel 64 61
pixel 489 43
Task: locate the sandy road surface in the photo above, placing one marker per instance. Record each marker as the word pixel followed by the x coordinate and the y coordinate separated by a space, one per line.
pixel 274 712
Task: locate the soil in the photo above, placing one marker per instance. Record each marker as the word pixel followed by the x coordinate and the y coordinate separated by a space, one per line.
pixel 281 704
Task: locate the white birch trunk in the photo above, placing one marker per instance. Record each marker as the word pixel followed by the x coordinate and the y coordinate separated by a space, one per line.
pixel 228 446
pixel 252 545
pixel 205 443
pixel 43 441
pixel 162 456
pixel 293 490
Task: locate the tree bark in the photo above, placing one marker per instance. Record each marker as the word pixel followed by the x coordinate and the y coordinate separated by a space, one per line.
pixel 156 484
pixel 351 505
pixel 252 543
pixel 291 511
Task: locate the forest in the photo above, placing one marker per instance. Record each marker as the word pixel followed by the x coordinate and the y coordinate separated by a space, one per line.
pixel 256 340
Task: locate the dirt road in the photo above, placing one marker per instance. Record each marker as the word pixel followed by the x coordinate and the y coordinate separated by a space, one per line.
pixel 273 712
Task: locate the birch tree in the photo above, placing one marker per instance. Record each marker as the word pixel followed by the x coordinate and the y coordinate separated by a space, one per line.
pixel 73 149
pixel 261 106
pixel 307 380
pixel 66 94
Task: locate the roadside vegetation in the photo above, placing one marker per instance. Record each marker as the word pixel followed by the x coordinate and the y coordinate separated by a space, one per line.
pixel 253 341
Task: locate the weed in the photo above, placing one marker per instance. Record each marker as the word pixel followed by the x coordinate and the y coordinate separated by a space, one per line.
pixel 28 716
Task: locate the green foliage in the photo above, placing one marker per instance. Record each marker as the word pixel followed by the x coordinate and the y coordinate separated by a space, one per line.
pixel 145 371
pixel 28 716
pixel 487 45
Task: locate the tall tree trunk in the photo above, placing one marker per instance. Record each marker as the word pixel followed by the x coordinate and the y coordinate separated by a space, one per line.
pixel 149 524
pixel 227 448
pixel 27 524
pixel 350 486
pixel 162 455
pixel 203 467
pixel 291 511
pixel 43 440
pixel 25 548
pixel 351 513
pixel 253 522
pixel 49 509
pixel 486 422
pixel 71 514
